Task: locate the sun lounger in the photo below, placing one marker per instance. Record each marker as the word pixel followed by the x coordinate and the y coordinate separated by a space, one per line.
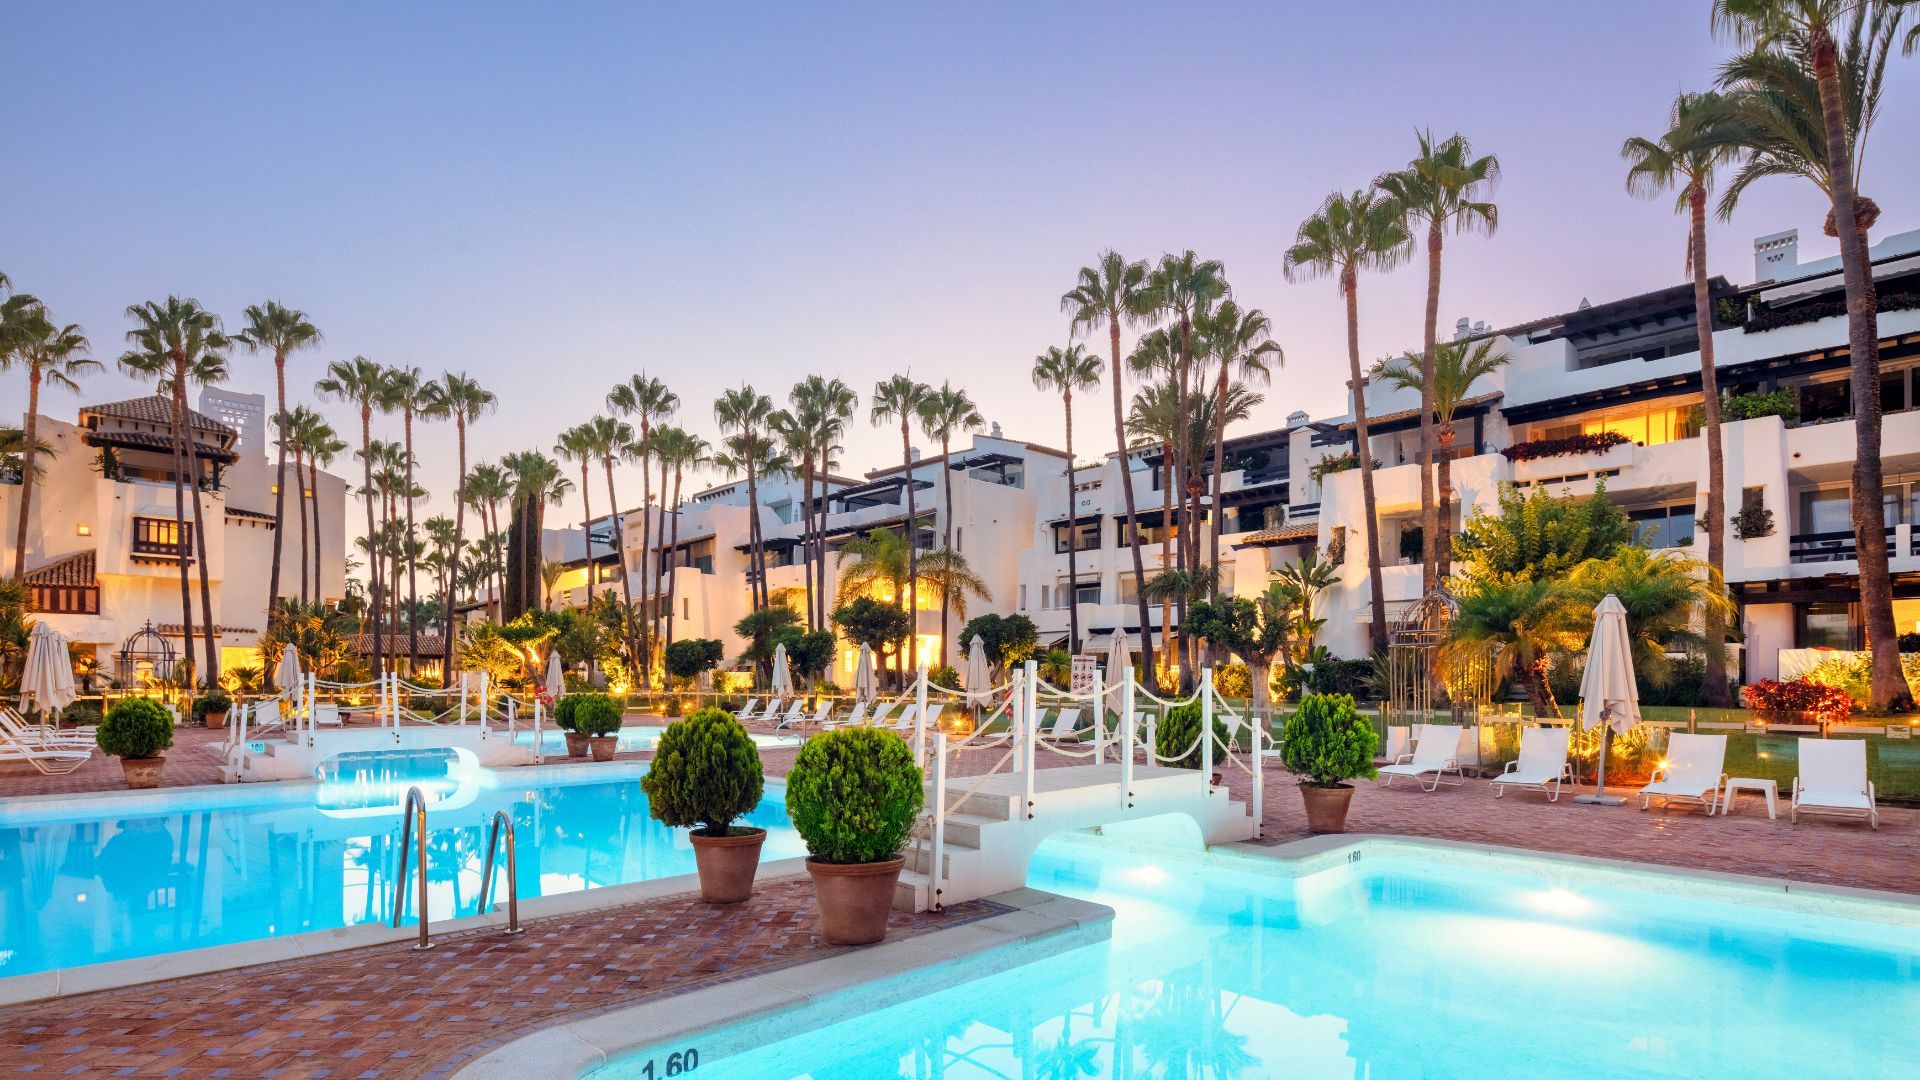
pixel 1833 780
pixel 793 714
pixel 881 712
pixel 1399 741
pixel 39 736
pixel 1062 728
pixel 820 713
pixel 1542 764
pixel 857 715
pixel 1695 771
pixel 1436 752
pixel 47 758
pixel 748 712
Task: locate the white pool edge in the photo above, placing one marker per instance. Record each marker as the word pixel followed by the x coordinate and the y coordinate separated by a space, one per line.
pixel 737 1016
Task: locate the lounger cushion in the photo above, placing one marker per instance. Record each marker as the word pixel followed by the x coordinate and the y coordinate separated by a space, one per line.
pixel 1836 800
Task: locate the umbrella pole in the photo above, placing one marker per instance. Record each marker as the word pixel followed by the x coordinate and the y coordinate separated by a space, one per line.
pixel 1600 796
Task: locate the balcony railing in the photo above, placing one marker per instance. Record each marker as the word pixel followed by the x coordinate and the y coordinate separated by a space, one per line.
pixel 1830 547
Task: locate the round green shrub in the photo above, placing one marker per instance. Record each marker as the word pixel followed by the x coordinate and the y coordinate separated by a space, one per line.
pixel 1179 733
pixel 135 728
pixel 705 772
pixel 563 711
pixel 214 702
pixel 594 715
pixel 1328 742
pixel 854 795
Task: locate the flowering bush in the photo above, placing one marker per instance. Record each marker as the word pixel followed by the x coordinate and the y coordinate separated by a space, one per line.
pixel 1784 701
pixel 1586 443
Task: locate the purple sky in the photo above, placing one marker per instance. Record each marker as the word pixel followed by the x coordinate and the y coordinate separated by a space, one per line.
pixel 751 192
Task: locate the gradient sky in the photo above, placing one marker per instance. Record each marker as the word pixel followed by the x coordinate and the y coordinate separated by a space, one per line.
pixel 554 197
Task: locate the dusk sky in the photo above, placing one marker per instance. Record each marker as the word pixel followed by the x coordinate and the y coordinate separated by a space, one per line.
pixel 553 197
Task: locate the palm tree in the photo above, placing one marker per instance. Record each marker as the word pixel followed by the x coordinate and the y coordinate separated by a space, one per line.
pixel 900 398
pixel 1364 230
pixel 821 409
pixel 411 394
pixel 1109 293
pixel 947 412
pixel 1457 366
pixel 297 430
pixel 681 450
pixel 649 402
pixel 577 444
pixel 282 331
pixel 536 482
pixel 363 384
pixel 1819 131
pixel 881 562
pixel 487 487
pixel 746 412
pixel 1183 289
pixel 1662 591
pixel 51 354
pixel 1235 338
pixel 612 440
pixel 754 458
pixel 176 341
pixel 460 398
pixel 1685 156
pixel 1064 371
pixel 322 447
pixel 1444 188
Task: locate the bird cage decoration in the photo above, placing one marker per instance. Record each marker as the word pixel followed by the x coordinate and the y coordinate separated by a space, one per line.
pixel 1413 645
pixel 144 655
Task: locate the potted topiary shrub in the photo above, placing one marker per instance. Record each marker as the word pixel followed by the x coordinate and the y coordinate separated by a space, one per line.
pixel 211 708
pixel 563 719
pixel 1326 743
pixel 854 795
pixel 597 719
pixel 136 730
pixel 1177 739
pixel 705 773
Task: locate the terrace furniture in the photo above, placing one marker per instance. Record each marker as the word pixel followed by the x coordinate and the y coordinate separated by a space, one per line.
pixel 77 731
pixel 794 712
pixel 326 714
pixel 1062 729
pixel 1695 771
pixel 1542 765
pixel 1833 780
pixel 50 762
pixel 858 714
pixel 881 712
pixel 1437 751
pixel 747 713
pixel 1750 783
pixel 17 730
pixel 819 717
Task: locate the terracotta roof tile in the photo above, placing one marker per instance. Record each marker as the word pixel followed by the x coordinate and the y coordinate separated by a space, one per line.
pixel 1286 534
pixel 75 569
pixel 1388 418
pixel 155 409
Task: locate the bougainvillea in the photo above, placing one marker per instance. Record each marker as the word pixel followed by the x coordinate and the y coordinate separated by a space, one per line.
pixel 1585 443
pixel 1784 702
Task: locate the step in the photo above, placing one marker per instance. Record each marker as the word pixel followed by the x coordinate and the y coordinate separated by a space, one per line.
pixel 911 892
pixel 983 805
pixel 963 830
pixel 920 857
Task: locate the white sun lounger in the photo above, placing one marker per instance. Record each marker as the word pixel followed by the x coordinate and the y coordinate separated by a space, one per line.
pixel 856 716
pixel 881 712
pixel 1062 728
pixel 39 737
pixel 1542 764
pixel 1695 771
pixel 1399 741
pixel 1833 780
pixel 49 759
pixel 749 711
pixel 793 715
pixel 1436 752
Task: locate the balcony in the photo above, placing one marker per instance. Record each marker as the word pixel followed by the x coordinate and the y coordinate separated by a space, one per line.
pixel 161 538
pixel 1831 547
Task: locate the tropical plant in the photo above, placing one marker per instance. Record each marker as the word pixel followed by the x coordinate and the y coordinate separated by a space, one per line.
pixel 363 384
pixel 1177 738
pixel 594 715
pixel 1787 702
pixel 746 412
pixel 1237 340
pixel 213 702
pixel 1063 371
pixel 135 728
pixel 945 413
pixel 1111 292
pixel 1539 536
pixel 1457 366
pixel 854 794
pixel 317 634
pixel 874 623
pixel 281 331
pixel 1586 442
pixel 1327 742
pixel 1364 230
pixel 901 399
pixel 1507 627
pixel 706 773
pixel 1664 592
pixel 458 397
pixel 763 630
pixel 679 450
pixel 52 354
pixel 811 432
pixel 536 482
pixel 693 657
pixel 579 444
pixel 1290 601
pixel 1443 188
pixel 648 402
pixel 1004 639
pixel 410 393
pixel 1252 630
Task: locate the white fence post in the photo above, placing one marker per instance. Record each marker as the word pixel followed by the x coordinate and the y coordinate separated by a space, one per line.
pixel 920 718
pixel 1126 742
pixel 1028 733
pixel 486 684
pixel 1258 727
pixel 936 874
pixel 1099 719
pixel 1206 731
pixel 463 700
pixel 539 711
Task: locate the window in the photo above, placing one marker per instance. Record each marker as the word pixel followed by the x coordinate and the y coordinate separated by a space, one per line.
pixel 1664 526
pixel 1084 536
pixel 161 536
pixel 1828 626
pixel 1086 592
pixel 1023 598
pixel 1151 532
pixel 1826 401
pixel 1129 589
pixel 1649 427
pixel 1824 511
pixel 686 608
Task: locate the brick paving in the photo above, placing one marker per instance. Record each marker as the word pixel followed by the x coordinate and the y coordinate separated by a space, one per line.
pixel 195 758
pixel 388 1013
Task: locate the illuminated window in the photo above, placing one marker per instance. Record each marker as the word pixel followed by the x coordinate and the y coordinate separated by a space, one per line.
pixel 83 530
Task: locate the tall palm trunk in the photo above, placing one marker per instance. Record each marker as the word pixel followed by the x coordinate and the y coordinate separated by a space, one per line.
pixel 1714 678
pixel 820 553
pixel 373 538
pixel 1166 551
pixel 1350 287
pixel 1443 546
pixel 946 541
pixel 453 560
pixel 212 669
pixel 31 430
pixel 673 550
pixel 1189 541
pixel 1863 349
pixel 413 596
pixel 1429 511
pixel 620 548
pixel 586 507
pixel 754 559
pixel 1126 489
pixel 643 651
pixel 1073 534
pixel 280 495
pixel 313 476
pixel 910 600
pixel 300 511
pixel 1217 512
pixel 650 642
pixel 177 399
pixel 806 534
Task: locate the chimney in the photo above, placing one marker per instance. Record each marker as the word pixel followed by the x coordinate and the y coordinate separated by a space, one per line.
pixel 1296 418
pixel 1776 256
pixel 994 432
pixel 1462 327
pixel 913 453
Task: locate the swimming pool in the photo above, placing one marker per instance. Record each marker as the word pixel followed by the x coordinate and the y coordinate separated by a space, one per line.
pixel 144 874
pixel 1387 968
pixel 553 742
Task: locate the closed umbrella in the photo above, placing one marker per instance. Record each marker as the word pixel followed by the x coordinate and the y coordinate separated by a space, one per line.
pixel 1607 692
pixel 47 681
pixel 865 687
pixel 556 685
pixel 782 678
pixel 287 676
pixel 979 677
pixel 1119 658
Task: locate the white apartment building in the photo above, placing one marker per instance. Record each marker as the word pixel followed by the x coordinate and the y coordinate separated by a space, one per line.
pixel 103 553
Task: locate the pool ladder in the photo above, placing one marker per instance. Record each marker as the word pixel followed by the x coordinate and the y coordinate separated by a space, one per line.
pixel 413 842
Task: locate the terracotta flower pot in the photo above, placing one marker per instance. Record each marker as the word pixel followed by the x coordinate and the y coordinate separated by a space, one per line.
pixel 576 744
pixel 143 772
pixel 854 899
pixel 603 746
pixel 727 864
pixel 216 719
pixel 1327 807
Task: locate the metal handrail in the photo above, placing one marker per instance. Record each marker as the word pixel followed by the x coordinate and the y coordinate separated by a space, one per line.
pixel 502 818
pixel 413 829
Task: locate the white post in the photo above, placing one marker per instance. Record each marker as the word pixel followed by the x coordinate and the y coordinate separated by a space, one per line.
pixel 463 700
pixel 486 685
pixel 1257 729
pixel 920 718
pixel 1099 719
pixel 1028 733
pixel 1206 731
pixel 936 876
pixel 1126 742
pixel 539 757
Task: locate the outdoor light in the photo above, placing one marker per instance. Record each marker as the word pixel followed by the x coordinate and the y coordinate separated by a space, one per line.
pixel 83 530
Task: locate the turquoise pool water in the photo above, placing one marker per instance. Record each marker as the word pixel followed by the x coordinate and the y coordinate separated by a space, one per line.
pixel 181 871
pixel 1391 968
pixel 553 742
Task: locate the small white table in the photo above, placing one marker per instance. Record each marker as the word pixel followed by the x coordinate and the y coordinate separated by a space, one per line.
pixel 1747 783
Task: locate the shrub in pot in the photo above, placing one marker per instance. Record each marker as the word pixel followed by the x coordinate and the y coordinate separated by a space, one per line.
pixel 705 773
pixel 1326 743
pixel 136 730
pixel 596 718
pixel 854 795
pixel 1178 733
pixel 563 719
pixel 211 708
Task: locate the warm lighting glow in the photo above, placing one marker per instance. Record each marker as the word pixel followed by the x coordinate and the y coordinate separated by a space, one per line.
pixel 83 530
pixel 1559 901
